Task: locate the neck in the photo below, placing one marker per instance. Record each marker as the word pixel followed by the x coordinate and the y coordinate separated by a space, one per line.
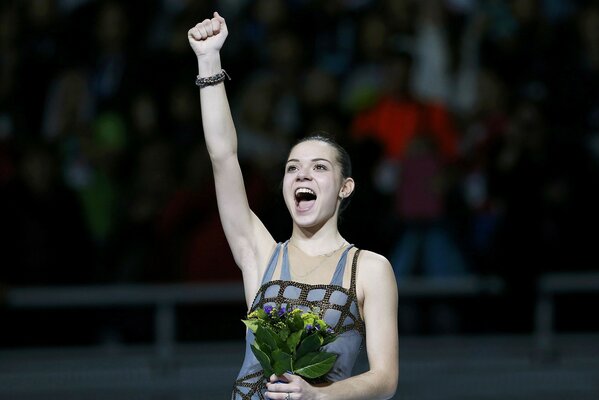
pixel 317 242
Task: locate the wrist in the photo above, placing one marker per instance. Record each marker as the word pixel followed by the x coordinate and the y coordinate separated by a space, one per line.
pixel 209 64
pixel 323 393
pixel 203 81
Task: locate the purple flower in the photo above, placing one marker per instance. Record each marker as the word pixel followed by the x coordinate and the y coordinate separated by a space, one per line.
pixel 282 311
pixel 329 330
pixel 309 328
pixel 268 309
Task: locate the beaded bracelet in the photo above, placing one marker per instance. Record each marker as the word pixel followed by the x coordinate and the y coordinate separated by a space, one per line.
pixel 212 80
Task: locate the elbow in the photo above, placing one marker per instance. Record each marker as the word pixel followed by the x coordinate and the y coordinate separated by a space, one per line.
pixel 223 160
pixel 392 393
pixel 221 156
pixel 388 385
pixel 390 390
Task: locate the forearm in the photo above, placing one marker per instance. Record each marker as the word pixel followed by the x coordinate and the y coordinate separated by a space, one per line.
pixel 369 385
pixel 219 130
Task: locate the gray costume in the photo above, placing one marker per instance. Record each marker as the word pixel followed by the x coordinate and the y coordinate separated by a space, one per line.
pixel 338 305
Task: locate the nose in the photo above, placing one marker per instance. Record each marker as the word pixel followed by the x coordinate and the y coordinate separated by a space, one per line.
pixel 304 174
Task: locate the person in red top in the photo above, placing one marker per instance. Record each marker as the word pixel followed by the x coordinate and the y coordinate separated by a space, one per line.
pixel 397 118
pixel 420 144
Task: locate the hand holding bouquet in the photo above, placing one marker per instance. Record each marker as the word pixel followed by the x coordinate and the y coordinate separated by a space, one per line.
pixel 291 340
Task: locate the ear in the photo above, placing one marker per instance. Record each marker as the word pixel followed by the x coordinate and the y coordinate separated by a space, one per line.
pixel 347 188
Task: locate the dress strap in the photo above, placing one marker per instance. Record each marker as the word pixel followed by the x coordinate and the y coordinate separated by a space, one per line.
pixel 285 272
pixel 354 267
pixel 272 264
pixel 340 269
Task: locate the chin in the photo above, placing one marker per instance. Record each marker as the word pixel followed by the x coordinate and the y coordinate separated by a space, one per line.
pixel 305 221
pixel 310 221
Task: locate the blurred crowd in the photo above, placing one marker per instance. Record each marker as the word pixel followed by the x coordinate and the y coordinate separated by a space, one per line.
pixel 473 127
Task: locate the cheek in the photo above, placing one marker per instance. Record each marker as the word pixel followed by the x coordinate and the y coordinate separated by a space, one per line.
pixel 331 188
pixel 286 186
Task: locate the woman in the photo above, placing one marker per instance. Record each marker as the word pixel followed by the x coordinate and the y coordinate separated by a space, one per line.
pixel 357 300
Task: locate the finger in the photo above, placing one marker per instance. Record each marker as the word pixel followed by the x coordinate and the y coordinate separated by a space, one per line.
pixel 288 377
pixel 193 33
pixel 202 29
pixel 215 25
pixel 278 386
pixel 207 24
pixel 280 378
pixel 197 32
pixel 279 396
pixel 220 19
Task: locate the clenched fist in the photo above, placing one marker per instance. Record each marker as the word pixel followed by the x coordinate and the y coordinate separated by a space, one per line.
pixel 208 36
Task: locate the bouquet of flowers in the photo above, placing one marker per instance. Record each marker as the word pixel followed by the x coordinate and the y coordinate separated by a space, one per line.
pixel 291 340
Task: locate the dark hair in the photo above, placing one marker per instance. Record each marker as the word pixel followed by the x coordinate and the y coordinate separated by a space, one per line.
pixel 342 157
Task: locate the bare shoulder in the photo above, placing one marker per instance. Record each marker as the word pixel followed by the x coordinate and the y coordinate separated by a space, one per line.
pixel 372 268
pixel 373 262
pixel 375 281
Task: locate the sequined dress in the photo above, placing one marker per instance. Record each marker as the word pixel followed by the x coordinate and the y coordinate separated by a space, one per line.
pixel 340 310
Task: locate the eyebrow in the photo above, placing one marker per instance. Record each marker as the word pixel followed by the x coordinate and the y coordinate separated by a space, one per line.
pixel 312 160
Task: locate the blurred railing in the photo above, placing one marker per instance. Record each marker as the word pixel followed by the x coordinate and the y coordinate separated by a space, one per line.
pixel 458 286
pixel 548 287
pixel 164 298
pixel 463 366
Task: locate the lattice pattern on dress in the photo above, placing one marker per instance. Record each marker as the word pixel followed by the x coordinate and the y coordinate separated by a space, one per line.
pixel 279 292
pixel 249 386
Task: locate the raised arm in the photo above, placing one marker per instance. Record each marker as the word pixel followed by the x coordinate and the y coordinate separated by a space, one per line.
pixel 248 239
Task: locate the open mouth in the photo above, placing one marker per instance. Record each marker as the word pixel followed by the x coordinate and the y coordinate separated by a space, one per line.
pixel 304 198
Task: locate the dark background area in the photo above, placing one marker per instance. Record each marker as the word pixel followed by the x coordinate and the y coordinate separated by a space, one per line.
pixel 473 128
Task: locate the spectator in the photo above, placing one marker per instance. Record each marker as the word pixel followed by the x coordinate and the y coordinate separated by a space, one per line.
pixel 420 141
pixel 43 234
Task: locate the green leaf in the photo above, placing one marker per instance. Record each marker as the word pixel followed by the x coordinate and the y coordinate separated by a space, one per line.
pixel 264 348
pixel 309 344
pixel 315 364
pixel 284 334
pixel 267 336
pixel 260 313
pixel 293 340
pixel 251 324
pixel 297 323
pixel 263 359
pixel 281 362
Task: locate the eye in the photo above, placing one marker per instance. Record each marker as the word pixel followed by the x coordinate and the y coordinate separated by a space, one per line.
pixel 320 167
pixel 291 168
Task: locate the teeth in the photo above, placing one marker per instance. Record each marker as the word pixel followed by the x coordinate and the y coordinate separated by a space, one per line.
pixel 304 190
